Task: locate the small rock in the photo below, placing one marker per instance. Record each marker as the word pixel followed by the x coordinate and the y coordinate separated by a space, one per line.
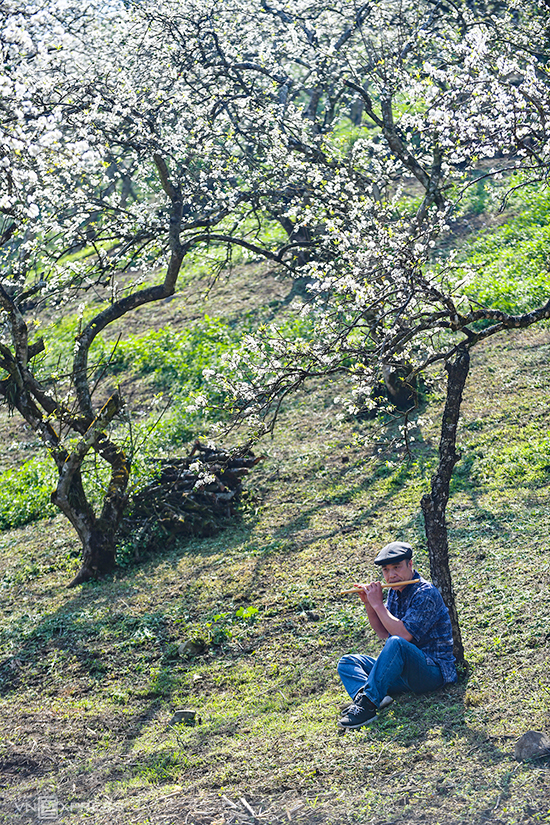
pixel 531 745
pixel 192 647
pixel 185 717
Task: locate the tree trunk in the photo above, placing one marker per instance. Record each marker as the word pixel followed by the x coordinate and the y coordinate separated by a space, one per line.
pixel 97 534
pixel 434 504
pixel 98 550
pixel 402 391
pixel 98 556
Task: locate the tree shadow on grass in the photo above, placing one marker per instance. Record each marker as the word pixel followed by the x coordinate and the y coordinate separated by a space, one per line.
pixel 93 648
pixel 411 731
pixel 296 533
pixel 70 631
pixel 83 727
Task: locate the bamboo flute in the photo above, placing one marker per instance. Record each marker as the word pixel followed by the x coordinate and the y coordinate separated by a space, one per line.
pixel 382 584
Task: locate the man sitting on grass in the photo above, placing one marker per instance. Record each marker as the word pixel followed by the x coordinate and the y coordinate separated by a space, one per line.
pixel 414 623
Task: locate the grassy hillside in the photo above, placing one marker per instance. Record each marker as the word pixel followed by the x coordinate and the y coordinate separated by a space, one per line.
pixel 90 679
pixel 246 628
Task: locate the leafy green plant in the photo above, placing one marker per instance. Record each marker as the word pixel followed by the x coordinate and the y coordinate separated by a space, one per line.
pixel 218 630
pixel 219 627
pixel 247 614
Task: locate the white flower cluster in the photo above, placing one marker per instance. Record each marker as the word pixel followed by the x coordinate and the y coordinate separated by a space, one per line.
pixel 331 139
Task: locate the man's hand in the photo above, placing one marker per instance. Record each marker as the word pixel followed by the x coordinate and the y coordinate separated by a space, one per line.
pixel 370 594
pixel 374 596
pixel 381 620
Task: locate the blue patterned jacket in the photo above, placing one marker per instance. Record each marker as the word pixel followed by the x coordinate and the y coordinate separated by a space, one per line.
pixel 424 614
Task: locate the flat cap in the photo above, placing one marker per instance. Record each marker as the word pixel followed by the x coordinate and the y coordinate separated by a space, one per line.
pixel 394 553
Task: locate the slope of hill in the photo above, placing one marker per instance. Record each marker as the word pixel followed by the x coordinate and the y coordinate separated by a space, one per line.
pixel 246 628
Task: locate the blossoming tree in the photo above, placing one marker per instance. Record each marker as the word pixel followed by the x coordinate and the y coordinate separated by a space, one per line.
pixel 438 96
pixel 333 140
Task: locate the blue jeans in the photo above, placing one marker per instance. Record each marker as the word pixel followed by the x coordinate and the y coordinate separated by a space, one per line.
pixel 400 667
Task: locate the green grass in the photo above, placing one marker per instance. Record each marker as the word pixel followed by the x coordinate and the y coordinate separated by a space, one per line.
pixel 98 672
pixel 25 493
pixel 175 359
pixel 246 627
pixel 507 266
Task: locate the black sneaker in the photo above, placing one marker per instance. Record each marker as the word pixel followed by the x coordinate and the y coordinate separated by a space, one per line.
pixel 362 712
pixel 387 700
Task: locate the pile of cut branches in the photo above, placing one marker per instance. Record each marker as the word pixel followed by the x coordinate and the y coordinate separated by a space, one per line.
pixel 191 496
